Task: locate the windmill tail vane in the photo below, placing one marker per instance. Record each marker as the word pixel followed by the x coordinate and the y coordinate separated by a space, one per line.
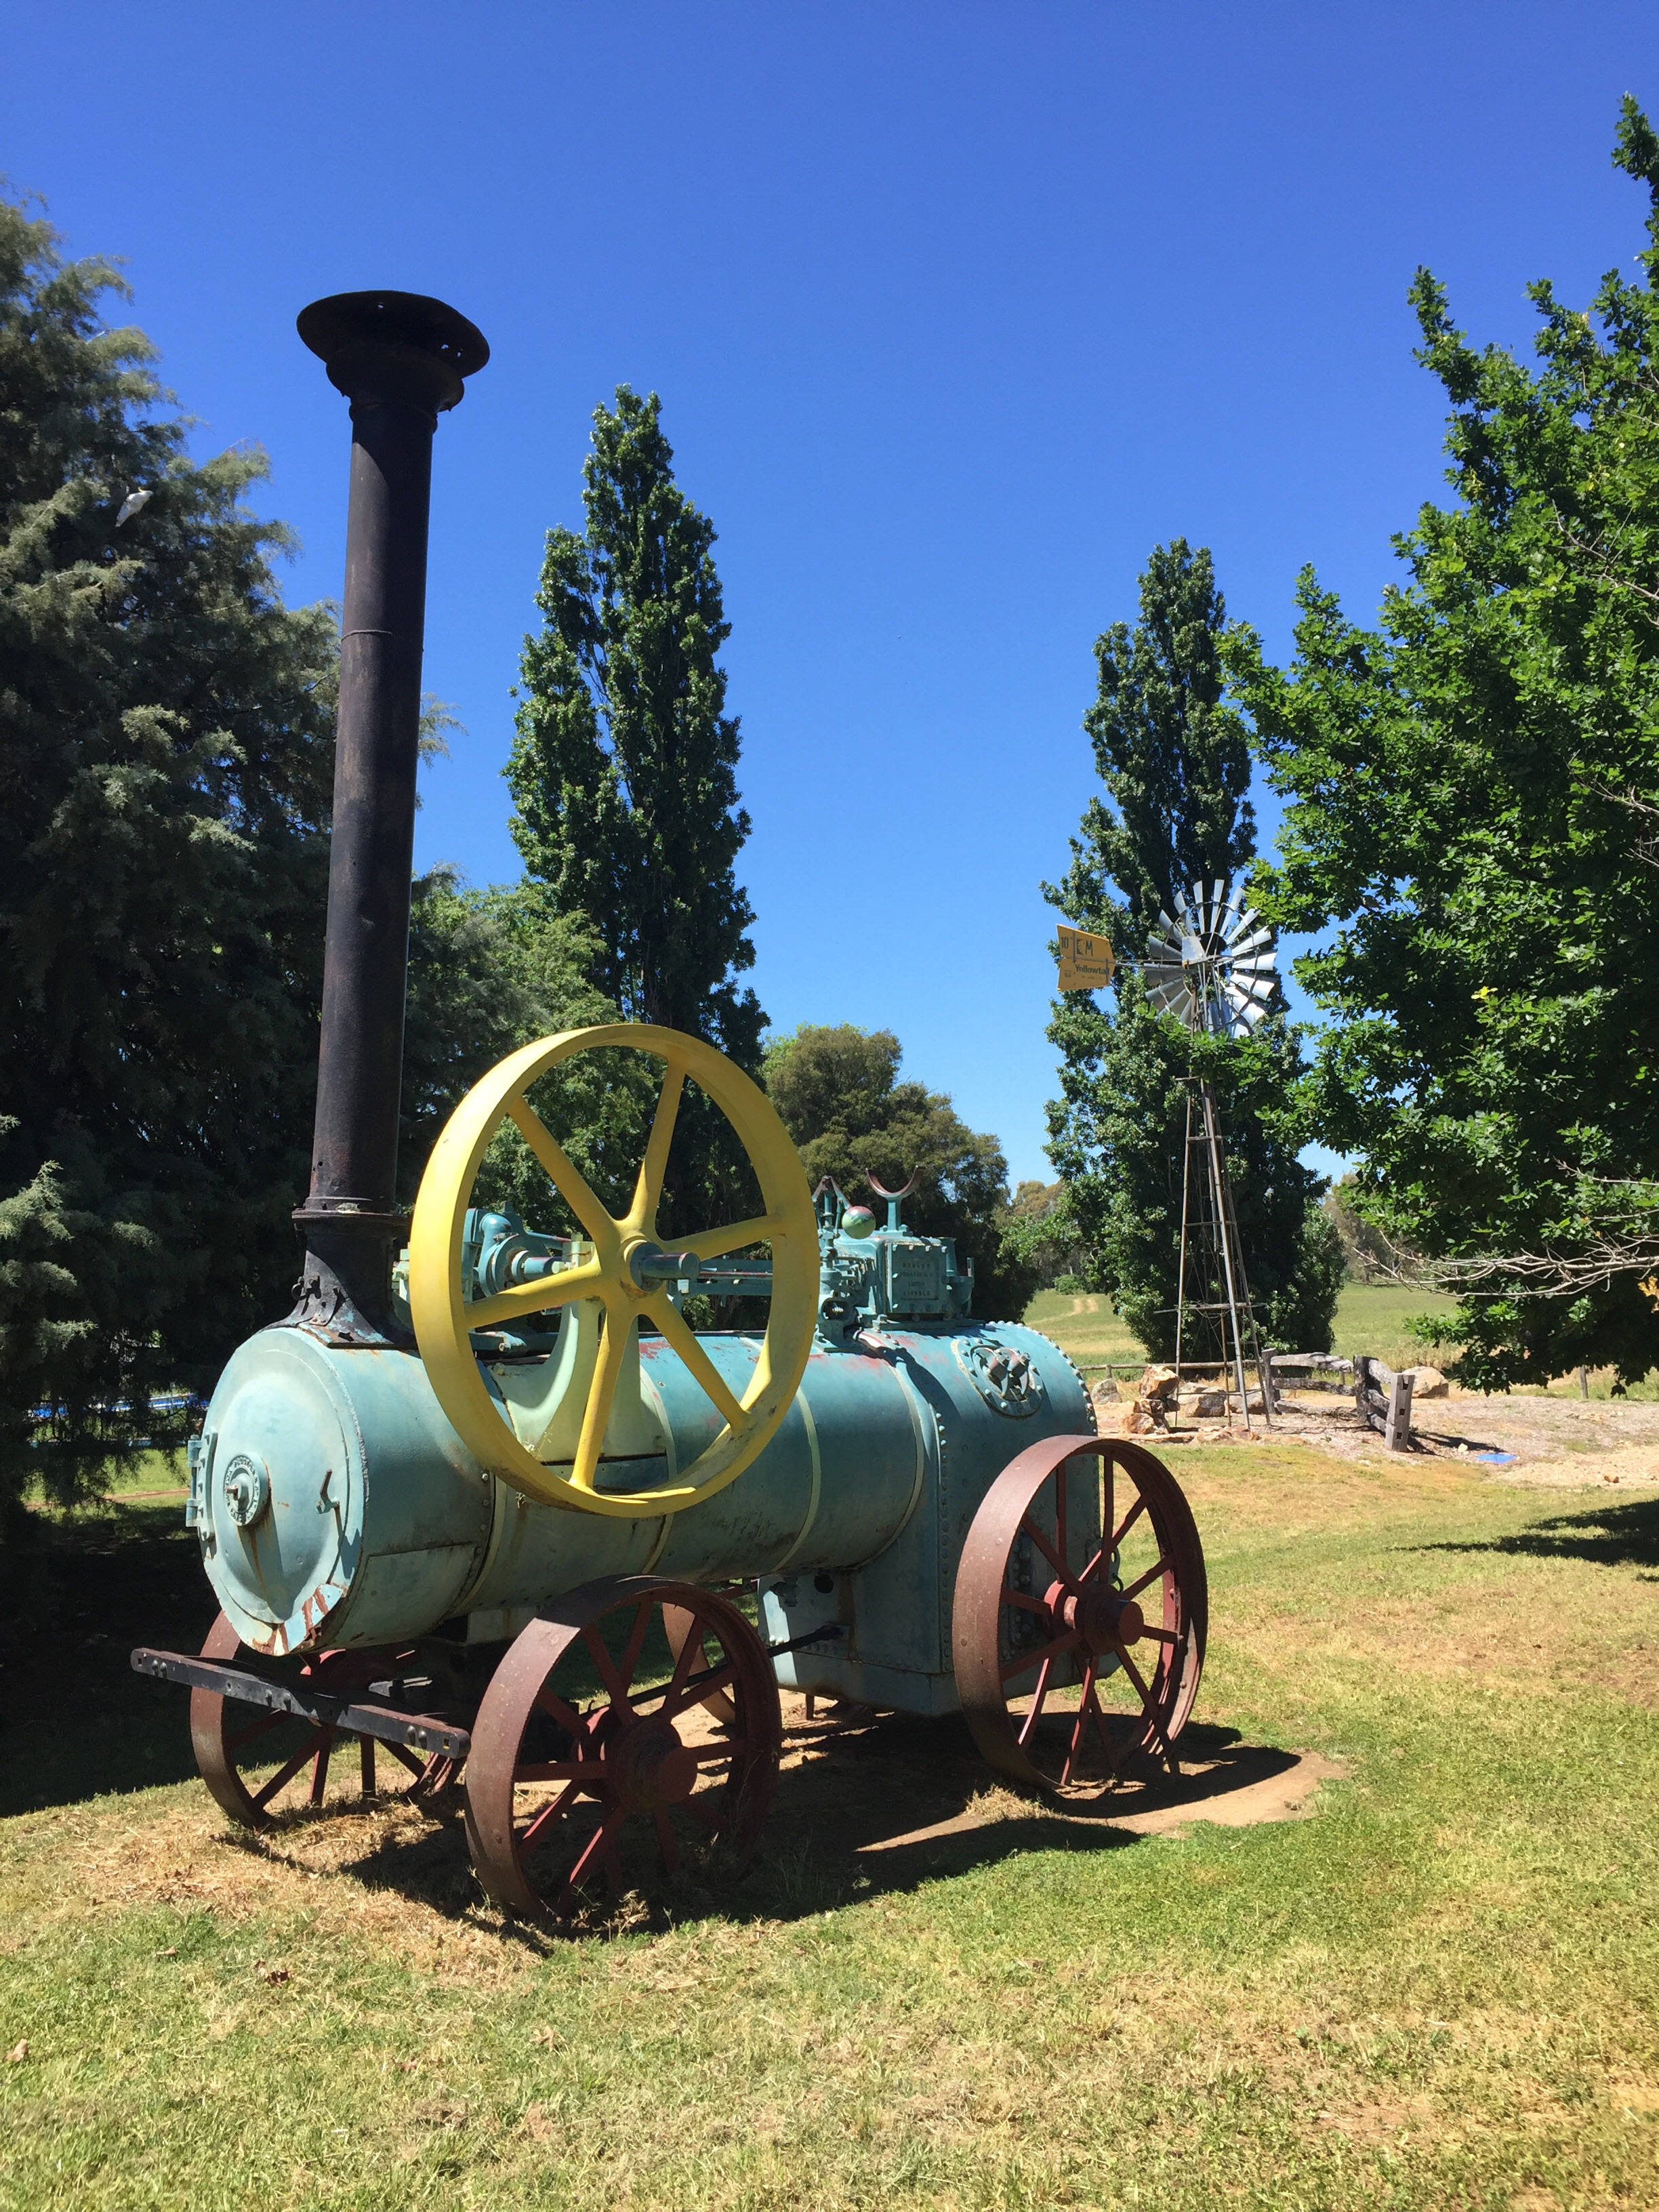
pixel 1211 965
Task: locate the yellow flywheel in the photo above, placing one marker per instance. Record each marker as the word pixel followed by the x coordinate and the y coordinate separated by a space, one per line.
pixel 619 1276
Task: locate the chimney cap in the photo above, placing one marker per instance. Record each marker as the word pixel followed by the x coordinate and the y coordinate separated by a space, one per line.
pixel 410 320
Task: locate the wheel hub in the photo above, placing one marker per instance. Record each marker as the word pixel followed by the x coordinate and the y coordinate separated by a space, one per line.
pixel 1105 1621
pixel 652 1768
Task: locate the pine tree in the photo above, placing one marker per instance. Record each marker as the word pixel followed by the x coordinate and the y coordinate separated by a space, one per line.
pixel 623 771
pixel 165 759
pixel 1174 758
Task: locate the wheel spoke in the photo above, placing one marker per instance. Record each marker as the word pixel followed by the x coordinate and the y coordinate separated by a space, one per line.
pixel 534 1829
pixel 571 1186
pixel 556 1708
pixel 699 1686
pixel 707 1754
pixel 1160 1635
pixel 598 1845
pixel 1129 1520
pixel 715 1244
pixel 1024 1662
pixel 1038 1696
pixel 630 1658
pixel 1081 1723
pixel 1029 1529
pixel 616 1686
pixel 613 1350
pixel 319 1772
pixel 284 1775
pixel 1158 1567
pixel 539 1296
pixel 707 1376
pixel 1146 1697
pixel 233 1743
pixel 648 1191
pixel 1023 1598
pixel 1063 1485
pixel 416 1766
pixel 366 1760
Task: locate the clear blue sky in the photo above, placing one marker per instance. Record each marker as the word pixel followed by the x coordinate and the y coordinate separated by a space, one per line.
pixel 955 309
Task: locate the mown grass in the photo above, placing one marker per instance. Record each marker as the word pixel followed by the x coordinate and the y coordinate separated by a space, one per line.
pixel 1439 1989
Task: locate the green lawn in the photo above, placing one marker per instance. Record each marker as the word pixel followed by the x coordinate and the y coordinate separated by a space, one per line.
pixel 1438 1990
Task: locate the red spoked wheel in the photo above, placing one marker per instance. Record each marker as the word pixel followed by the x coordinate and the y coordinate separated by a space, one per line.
pixel 1080 1614
pixel 235 1744
pixel 594 1748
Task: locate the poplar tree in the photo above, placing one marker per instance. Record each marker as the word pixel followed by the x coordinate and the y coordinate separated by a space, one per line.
pixel 623 770
pixel 1174 759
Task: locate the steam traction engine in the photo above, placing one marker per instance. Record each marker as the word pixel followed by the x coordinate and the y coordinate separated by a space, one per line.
pixel 478 1509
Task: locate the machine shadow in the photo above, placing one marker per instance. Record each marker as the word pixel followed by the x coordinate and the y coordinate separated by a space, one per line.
pixel 78 1723
pixel 876 1809
pixel 1607 1535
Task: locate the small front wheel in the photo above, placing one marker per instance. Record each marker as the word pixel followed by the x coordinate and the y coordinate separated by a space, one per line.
pixel 632 1713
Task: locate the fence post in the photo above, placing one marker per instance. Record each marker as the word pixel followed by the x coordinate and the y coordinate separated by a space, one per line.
pixel 1397 1435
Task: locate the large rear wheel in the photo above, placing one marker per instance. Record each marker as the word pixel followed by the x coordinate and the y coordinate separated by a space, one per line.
pixel 1080 1614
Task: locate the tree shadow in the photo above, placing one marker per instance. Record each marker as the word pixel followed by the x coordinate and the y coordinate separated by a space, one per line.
pixel 1607 1535
pixel 77 1722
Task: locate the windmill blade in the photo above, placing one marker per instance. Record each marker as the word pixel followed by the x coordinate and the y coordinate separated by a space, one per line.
pixel 1164 947
pixel 1259 963
pixel 1259 943
pixel 1166 925
pixel 1251 1007
pixel 1249 1011
pixel 1246 916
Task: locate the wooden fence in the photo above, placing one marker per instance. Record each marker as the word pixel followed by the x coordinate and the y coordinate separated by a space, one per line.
pixel 1382 1398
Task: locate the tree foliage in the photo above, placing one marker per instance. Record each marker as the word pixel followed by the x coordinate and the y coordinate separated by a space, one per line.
pixel 1472 791
pixel 624 774
pixel 164 790
pixel 1174 763
pixel 837 1090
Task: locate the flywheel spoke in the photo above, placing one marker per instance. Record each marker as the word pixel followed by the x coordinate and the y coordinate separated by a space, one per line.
pixel 708 1377
pixel 716 1243
pixel 648 1191
pixel 571 1186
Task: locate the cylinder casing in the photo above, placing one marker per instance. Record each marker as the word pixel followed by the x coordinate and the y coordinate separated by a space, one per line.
pixel 337 1506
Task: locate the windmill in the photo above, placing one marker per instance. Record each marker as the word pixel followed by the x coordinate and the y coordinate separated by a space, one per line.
pixel 1212 967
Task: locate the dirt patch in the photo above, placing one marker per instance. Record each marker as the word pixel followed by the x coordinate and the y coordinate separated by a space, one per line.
pixel 1249 1788
pixel 1596 1467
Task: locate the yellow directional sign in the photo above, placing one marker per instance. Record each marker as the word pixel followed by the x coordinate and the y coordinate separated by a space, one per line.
pixel 1085 961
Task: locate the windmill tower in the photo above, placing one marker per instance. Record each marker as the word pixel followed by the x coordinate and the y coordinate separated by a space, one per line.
pixel 1212 967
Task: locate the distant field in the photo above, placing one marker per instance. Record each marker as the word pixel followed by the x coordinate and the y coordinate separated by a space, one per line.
pixel 1371 1317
